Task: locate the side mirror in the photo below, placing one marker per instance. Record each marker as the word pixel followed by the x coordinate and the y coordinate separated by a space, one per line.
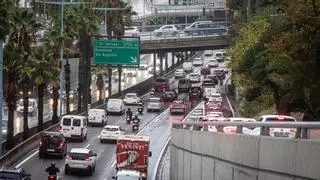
pixel 150 153
pixel 95 154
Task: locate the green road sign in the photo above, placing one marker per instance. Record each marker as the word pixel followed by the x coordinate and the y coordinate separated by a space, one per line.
pixel 116 52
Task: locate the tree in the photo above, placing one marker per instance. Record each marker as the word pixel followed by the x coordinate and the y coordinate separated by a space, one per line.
pixel 44 68
pixel 24 26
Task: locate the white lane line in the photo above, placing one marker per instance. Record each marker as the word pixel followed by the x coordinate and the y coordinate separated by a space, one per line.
pixel 26 159
pixel 87 146
pixel 229 104
pixel 154 176
pixel 143 129
pixel 98 137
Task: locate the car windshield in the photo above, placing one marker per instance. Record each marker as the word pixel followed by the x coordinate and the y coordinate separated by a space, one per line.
pixel 111 129
pixel 279 119
pixel 152 100
pixel 219 54
pixel 79 156
pixel 9 175
pixel 131 96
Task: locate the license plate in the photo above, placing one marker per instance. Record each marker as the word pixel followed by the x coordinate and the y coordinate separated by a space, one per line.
pixel 281 134
pixel 50 150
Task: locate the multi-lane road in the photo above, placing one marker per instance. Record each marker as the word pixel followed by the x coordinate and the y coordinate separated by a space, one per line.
pixel 154 125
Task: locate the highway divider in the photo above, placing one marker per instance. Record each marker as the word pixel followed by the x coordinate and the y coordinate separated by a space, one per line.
pixel 19 151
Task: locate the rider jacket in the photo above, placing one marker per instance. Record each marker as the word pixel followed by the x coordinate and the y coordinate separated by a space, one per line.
pixel 129 113
pixel 52 170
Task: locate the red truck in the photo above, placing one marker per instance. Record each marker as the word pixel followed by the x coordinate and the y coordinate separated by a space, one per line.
pixel 132 157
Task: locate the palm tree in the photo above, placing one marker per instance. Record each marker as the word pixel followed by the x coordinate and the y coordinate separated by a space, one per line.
pixel 85 20
pixel 44 69
pixel 24 26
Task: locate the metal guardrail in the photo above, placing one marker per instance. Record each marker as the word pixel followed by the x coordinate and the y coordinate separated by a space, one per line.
pixel 302 127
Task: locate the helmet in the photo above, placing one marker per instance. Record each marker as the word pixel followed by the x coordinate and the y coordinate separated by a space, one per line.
pixel 53 164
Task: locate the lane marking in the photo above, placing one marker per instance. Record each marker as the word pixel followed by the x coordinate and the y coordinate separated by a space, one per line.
pixel 143 129
pixel 87 146
pixel 154 176
pixel 27 159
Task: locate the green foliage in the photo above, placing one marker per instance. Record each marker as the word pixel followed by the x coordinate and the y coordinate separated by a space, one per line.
pixel 279 52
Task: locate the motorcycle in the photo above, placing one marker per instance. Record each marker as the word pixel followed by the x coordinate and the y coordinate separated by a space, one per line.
pixel 128 119
pixel 52 177
pixel 140 109
pixel 135 125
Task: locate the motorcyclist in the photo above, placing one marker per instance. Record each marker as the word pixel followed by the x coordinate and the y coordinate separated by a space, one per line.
pixel 53 170
pixel 129 113
pixel 136 120
pixel 141 104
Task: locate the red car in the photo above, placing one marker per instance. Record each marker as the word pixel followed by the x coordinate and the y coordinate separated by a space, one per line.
pixel 177 107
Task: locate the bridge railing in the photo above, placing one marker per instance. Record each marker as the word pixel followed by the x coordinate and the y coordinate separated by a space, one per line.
pixel 300 129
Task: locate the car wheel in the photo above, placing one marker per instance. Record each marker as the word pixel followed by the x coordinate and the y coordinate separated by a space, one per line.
pixel 40 155
pixel 90 172
pixel 101 141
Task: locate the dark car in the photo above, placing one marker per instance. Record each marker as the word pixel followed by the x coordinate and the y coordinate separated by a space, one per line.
pixel 208 83
pixel 195 92
pixel 219 73
pixel 169 96
pixel 205 71
pixel 184 85
pixel 214 78
pixel 14 173
pixel 53 143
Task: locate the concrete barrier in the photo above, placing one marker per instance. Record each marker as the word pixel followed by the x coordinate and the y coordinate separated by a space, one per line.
pixel 219 156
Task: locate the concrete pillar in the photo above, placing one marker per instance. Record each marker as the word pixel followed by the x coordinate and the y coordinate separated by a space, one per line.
pixel 154 65
pixel 172 60
pixel 166 63
pixel 161 64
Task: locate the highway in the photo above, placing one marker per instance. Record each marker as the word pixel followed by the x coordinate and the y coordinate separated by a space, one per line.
pixel 129 81
pixel 154 125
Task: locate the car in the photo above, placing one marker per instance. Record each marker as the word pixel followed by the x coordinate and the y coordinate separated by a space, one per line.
pixel 169 96
pixel 97 116
pixel 14 173
pixel 131 98
pixel 187 67
pixel 207 54
pixel 214 78
pixel 32 106
pixel 233 129
pixel 184 85
pixel 131 31
pixel 166 30
pixel 195 92
pixel 154 104
pixel 215 97
pixel 206 82
pixel 213 63
pixel 197 62
pixel 194 77
pixel 177 107
pixel 205 71
pixel 219 56
pixel 197 112
pixel 143 66
pixel 111 133
pixel 80 159
pixel 277 132
pixel 115 106
pixel 179 73
pixel 52 143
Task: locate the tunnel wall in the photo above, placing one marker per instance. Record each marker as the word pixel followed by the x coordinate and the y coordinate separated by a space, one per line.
pixel 217 156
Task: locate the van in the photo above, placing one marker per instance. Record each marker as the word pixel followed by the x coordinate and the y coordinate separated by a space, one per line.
pixel 115 106
pixel 97 116
pixel 187 67
pixel 74 126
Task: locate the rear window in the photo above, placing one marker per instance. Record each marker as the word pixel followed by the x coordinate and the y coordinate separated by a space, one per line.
pixel 9 175
pixel 280 120
pixel 114 102
pixel 66 122
pixel 51 139
pixel 160 80
pixel 76 122
pixel 78 156
pixel 110 129
pixel 131 96
pixel 219 54
pixel 184 81
pixel 195 89
pixel 154 100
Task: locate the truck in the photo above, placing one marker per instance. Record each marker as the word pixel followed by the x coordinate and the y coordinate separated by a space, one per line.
pixel 163 84
pixel 132 157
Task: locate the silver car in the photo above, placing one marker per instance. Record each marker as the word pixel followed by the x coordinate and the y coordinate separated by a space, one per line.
pixel 154 104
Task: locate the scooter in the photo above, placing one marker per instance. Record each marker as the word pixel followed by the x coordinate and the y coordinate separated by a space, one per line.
pixel 135 125
pixel 140 109
pixel 52 177
pixel 128 119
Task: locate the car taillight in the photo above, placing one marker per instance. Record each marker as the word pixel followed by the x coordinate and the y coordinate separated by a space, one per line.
pixel 51 178
pixel 230 129
pixel 40 144
pixel 60 145
pixel 87 159
pixel 68 157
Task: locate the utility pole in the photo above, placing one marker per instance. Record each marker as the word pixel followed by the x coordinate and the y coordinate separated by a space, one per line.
pixel 61 59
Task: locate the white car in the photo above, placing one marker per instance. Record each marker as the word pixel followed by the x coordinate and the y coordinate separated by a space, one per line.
pixel 154 104
pixel 213 63
pixel 111 133
pixel 80 159
pixel 131 31
pixel 166 30
pixel 215 97
pixel 197 62
pixel 131 98
pixel 277 132
pixel 32 106
pixel 143 66
pixel 207 54
pixel 194 77
pixel 233 129
pixel 187 66
pixel 179 73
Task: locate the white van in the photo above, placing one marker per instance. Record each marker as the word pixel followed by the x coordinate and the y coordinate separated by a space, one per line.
pixel 97 116
pixel 187 67
pixel 74 126
pixel 115 106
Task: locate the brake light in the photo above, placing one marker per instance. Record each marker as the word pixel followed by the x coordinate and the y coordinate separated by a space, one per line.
pixel 68 157
pixel 51 178
pixel 60 145
pixel 40 144
pixel 87 159
pixel 230 129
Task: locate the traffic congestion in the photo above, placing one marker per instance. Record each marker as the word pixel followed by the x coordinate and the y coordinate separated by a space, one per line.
pixel 86 145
